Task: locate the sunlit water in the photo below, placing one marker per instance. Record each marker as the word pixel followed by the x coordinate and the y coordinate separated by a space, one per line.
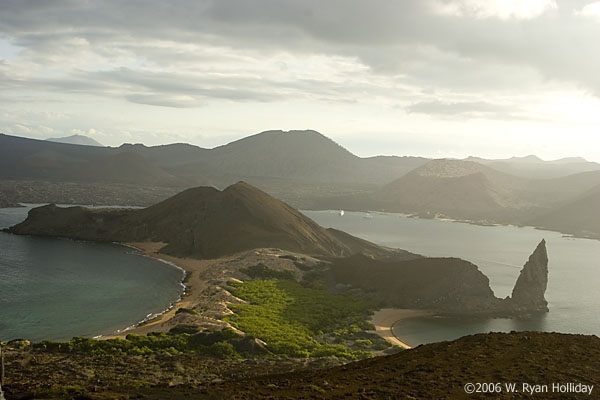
pixel 500 251
pixel 56 288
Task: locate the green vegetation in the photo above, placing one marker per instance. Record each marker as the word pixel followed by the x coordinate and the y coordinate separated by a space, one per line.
pixel 299 321
pixel 215 344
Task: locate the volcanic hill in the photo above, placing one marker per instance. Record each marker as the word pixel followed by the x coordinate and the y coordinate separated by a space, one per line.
pixel 204 222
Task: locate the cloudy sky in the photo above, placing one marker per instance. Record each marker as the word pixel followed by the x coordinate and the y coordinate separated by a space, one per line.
pixel 438 78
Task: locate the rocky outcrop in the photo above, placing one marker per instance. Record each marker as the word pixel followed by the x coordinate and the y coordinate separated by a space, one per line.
pixel 446 285
pixel 528 293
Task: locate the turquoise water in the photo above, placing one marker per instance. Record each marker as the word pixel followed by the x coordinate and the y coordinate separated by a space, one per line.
pixel 56 288
pixel 500 252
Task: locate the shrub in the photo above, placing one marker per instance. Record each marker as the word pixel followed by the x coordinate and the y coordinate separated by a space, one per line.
pixel 290 317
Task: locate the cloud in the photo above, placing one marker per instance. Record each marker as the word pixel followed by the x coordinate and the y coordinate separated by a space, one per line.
pixel 392 38
pixel 501 9
pixel 474 108
pixel 591 10
pixel 385 62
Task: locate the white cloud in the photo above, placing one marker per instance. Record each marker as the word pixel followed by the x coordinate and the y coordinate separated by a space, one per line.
pixel 501 9
pixel 591 10
pixel 223 69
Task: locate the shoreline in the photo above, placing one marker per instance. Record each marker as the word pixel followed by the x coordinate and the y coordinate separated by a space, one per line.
pixel 192 286
pixel 384 320
pixel 592 236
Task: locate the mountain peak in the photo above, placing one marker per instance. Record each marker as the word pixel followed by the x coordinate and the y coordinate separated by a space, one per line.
pixel 527 159
pixel 76 139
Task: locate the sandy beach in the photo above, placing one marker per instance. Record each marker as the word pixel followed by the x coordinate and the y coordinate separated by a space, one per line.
pixel 194 285
pixel 385 319
pixel 203 288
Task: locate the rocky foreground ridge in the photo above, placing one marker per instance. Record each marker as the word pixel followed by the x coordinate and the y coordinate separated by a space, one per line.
pixel 433 371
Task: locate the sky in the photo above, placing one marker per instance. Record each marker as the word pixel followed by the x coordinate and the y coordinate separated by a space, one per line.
pixel 435 78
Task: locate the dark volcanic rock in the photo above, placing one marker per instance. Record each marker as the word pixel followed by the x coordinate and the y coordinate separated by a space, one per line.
pixel 528 293
pixel 446 285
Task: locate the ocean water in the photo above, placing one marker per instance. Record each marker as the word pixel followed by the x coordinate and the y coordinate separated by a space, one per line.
pixel 57 288
pixel 500 252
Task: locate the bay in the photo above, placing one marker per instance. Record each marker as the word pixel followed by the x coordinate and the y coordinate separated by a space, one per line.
pixel 500 252
pixel 55 289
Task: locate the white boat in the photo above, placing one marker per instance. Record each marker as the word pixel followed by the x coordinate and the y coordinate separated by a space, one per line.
pixel 341 213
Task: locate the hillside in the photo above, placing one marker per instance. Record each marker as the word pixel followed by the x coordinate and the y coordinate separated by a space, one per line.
pixel 580 217
pixel 432 371
pixel 440 370
pixel 461 189
pixel 76 139
pixel 201 222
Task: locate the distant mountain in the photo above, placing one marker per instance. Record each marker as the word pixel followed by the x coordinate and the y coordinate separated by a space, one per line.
pixel 580 217
pixel 307 157
pixel 310 170
pixel 295 165
pixel 204 222
pixel 22 158
pixel 468 190
pixel 453 188
pixel 76 139
pixel 461 189
pixel 534 167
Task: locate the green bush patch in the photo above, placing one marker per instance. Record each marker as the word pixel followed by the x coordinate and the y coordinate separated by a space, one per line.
pixel 214 344
pixel 303 322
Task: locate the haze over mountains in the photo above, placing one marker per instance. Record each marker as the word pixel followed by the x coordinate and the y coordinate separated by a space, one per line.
pixel 471 191
pixel 309 170
pixel 76 139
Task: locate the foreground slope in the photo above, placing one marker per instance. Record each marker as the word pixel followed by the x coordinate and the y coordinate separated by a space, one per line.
pixel 203 222
pixel 433 371
pixel 441 370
